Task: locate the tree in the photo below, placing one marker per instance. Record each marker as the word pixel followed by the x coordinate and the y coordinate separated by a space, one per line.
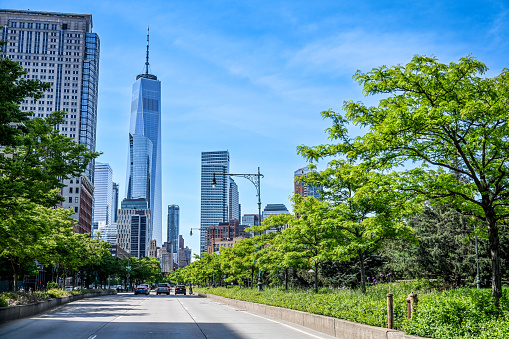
pixel 33 161
pixel 13 90
pixel 447 121
pixel 363 213
pixel 446 249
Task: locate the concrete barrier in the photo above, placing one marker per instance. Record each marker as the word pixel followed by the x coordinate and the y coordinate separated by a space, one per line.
pixel 332 326
pixel 22 311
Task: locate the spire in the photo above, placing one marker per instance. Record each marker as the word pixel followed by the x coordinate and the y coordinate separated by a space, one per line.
pixel 146 62
pixel 147 75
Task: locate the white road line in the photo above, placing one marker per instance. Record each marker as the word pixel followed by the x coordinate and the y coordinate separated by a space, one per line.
pixel 275 321
pixel 92 336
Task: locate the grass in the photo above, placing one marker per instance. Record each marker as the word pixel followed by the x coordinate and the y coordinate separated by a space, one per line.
pixel 458 313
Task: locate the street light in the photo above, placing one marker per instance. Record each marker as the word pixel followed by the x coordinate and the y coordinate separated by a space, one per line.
pixel 255 180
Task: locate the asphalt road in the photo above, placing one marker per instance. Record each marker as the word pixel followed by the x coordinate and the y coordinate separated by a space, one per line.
pixel 128 316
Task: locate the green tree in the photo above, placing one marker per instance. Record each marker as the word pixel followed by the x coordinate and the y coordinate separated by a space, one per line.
pixel 450 123
pixel 13 90
pixel 446 249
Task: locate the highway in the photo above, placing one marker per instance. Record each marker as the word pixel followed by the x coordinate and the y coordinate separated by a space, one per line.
pixel 127 316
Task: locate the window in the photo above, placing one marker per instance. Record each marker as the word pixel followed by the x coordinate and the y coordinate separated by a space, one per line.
pixel 70 199
pixel 70 189
pixel 75 209
pixel 76 200
pixel 77 189
pixel 21 25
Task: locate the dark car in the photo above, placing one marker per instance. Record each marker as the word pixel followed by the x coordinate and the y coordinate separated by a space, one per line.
pixel 163 288
pixel 180 289
pixel 142 289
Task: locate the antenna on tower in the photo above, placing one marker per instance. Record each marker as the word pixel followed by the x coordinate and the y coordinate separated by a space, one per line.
pixel 146 62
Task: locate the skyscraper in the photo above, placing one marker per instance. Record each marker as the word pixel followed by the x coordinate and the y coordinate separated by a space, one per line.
pixel 234 207
pixel 62 50
pixel 103 194
pixel 144 166
pixel 173 229
pixel 114 204
pixel 214 201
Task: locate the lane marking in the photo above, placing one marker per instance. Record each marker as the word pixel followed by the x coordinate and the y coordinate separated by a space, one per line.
pixel 274 321
pixel 92 337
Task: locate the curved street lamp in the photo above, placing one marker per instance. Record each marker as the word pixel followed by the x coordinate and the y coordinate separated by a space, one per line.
pixel 255 180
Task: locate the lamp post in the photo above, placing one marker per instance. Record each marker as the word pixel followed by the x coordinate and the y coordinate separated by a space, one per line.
pixel 255 180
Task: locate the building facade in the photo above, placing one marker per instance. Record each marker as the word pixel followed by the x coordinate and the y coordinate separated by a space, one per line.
pixel 133 227
pixel 274 209
pixel 114 203
pixel 173 229
pixel 103 194
pixel 234 205
pixel 305 190
pixel 145 136
pixel 250 219
pixel 60 49
pixel 214 200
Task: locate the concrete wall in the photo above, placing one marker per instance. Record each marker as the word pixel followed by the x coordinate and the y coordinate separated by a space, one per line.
pixel 22 311
pixel 332 326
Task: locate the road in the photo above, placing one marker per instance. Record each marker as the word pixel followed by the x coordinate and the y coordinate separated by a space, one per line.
pixel 128 316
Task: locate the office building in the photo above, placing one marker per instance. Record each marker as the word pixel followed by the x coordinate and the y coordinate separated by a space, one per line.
pixel 144 174
pixel 103 194
pixel 250 219
pixel 133 227
pixel 60 49
pixel 114 203
pixel 234 206
pixel 173 229
pixel 305 190
pixel 274 209
pixel 214 200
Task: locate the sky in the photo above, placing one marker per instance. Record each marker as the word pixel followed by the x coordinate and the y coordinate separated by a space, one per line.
pixel 252 77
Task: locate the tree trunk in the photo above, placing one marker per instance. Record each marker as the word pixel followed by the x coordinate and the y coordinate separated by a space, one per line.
pixel 316 278
pixel 494 244
pixel 286 278
pixel 363 273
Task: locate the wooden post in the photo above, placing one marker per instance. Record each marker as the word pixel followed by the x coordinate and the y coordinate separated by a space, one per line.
pixel 411 303
pixel 390 314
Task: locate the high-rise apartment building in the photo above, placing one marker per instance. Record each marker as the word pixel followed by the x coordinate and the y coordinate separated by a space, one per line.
pixel 234 206
pixel 103 194
pixel 144 174
pixel 60 49
pixel 305 190
pixel 173 229
pixel 214 200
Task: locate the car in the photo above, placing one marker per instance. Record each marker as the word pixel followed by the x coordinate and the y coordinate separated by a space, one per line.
pixel 180 289
pixel 163 288
pixel 142 289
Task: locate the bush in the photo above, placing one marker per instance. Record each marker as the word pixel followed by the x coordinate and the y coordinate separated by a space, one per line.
pixel 458 313
pixel 51 285
pixel 3 302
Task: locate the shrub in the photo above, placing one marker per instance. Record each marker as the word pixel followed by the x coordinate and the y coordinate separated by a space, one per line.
pixel 51 285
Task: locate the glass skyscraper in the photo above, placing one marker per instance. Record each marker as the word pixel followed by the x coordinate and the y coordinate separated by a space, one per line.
pixel 214 201
pixel 103 194
pixel 144 167
pixel 173 229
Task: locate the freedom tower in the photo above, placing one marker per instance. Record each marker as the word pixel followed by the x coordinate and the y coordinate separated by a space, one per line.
pixel 144 159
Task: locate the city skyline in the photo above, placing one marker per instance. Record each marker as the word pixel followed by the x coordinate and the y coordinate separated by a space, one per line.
pixel 253 79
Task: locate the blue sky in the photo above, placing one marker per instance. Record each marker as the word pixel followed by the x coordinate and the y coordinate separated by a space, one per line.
pixel 252 77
